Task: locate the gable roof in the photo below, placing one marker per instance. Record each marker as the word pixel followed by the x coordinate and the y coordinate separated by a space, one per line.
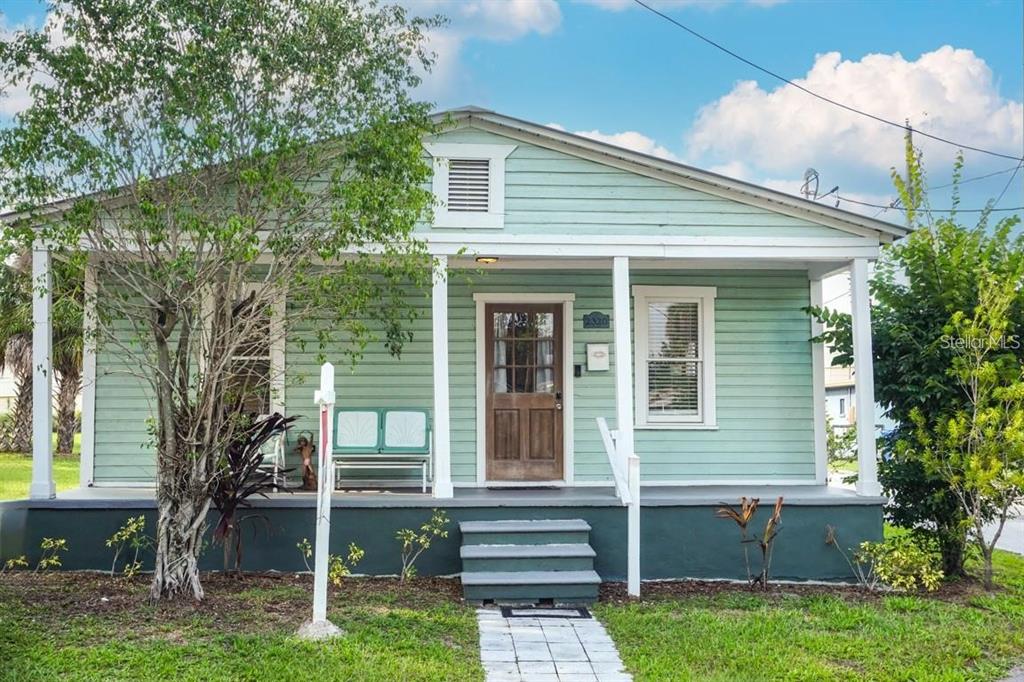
pixel 671 171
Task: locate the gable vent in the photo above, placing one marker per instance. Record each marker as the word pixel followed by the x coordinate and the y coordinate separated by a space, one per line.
pixel 469 185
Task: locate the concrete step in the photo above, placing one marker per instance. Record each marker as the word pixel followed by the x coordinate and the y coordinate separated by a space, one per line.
pixel 565 587
pixel 548 557
pixel 534 532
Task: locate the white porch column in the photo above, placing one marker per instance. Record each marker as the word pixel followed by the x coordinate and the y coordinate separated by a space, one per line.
pixel 623 359
pixel 818 390
pixel 442 423
pixel 863 360
pixel 624 446
pixel 42 487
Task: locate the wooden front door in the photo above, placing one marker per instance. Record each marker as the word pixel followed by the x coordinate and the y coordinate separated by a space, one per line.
pixel 524 392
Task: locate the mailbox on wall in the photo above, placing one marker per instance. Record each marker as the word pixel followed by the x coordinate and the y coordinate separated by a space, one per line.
pixel 597 357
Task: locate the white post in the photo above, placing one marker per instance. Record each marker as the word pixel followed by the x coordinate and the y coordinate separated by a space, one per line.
pixel 633 531
pixel 624 447
pixel 42 487
pixel 863 362
pixel 818 390
pixel 442 469
pixel 320 627
pixel 86 463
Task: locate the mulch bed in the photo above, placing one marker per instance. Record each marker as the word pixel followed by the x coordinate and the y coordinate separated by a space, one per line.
pixel 229 600
pixel 616 593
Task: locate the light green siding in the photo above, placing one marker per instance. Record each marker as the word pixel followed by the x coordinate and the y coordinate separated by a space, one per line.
pixel 764 389
pixel 122 451
pixel 550 192
pixel 763 375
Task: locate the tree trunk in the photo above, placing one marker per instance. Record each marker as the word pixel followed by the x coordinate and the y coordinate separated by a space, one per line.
pixel 17 435
pixel 952 547
pixel 69 382
pixel 181 525
pixel 182 492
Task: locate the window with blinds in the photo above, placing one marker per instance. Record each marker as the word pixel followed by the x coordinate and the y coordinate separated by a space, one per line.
pixel 469 185
pixel 673 360
pixel 675 355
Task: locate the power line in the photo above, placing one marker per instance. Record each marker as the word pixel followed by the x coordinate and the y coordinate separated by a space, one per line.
pixel 1007 185
pixel 1015 169
pixel 823 98
pixel 924 210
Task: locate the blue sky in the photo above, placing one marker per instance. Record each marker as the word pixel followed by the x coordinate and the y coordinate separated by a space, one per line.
pixel 612 70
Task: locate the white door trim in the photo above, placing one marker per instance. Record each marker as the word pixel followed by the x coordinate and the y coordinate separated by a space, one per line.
pixel 568 411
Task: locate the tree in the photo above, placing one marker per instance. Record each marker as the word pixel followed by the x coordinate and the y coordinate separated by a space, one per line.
pixel 978 449
pixel 16 339
pixel 16 356
pixel 840 443
pixel 918 285
pixel 214 156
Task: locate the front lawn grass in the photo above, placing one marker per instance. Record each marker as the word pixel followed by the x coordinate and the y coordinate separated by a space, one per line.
pixel 72 626
pixel 16 473
pixel 823 633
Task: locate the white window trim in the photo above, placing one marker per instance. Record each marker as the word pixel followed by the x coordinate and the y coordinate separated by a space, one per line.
pixel 705 298
pixel 496 154
pixel 276 350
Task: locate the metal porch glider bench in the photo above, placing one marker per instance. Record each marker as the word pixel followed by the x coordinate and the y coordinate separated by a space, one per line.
pixel 376 439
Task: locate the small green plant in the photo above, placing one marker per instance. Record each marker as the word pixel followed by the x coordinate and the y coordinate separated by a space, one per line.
pixel 415 543
pixel 305 548
pixel 899 562
pixel 15 563
pixel 129 538
pixel 49 557
pixel 339 568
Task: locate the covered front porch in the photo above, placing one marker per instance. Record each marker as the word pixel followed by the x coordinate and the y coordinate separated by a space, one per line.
pixel 580 396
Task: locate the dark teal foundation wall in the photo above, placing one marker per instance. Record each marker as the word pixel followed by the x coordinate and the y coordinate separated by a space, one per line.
pixel 676 542
pixel 691 542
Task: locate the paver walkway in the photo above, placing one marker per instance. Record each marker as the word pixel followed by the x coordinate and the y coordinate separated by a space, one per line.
pixel 539 649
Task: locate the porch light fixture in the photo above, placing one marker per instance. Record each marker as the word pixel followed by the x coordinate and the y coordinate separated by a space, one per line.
pixel 486 260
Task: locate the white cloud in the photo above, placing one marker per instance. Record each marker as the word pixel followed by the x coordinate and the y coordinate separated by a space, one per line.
pixel 502 21
pixel 948 92
pixel 630 139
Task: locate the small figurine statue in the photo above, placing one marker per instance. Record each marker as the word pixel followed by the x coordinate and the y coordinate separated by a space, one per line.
pixel 305 448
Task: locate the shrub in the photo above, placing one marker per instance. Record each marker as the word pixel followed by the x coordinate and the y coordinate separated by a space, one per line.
pixel 15 563
pixel 339 568
pixel 900 562
pixel 49 557
pixel 765 542
pixel 415 543
pixel 129 537
pixel 305 548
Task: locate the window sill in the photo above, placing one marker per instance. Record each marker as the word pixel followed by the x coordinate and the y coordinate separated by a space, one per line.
pixel 675 427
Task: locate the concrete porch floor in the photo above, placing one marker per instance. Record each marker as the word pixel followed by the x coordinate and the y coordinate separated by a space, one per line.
pixel 583 496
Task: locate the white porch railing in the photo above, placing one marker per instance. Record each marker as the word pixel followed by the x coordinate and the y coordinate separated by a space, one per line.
pixel 627 486
pixel 618 474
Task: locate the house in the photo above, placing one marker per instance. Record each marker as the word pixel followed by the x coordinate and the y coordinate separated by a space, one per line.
pixel 577 282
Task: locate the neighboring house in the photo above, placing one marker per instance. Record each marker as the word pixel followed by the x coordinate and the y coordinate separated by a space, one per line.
pixel 839 397
pixel 664 299
pixel 7 392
